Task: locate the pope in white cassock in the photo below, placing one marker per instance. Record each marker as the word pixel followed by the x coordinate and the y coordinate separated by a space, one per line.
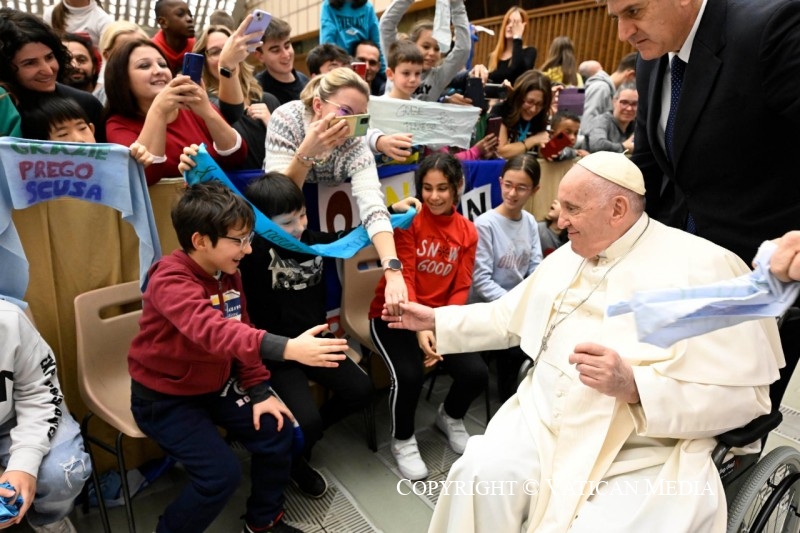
pixel 606 433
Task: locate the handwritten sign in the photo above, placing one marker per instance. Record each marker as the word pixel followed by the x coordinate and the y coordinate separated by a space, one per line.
pixel 32 172
pixel 431 124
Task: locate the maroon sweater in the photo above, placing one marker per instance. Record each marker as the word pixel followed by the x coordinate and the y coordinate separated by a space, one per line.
pixel 188 344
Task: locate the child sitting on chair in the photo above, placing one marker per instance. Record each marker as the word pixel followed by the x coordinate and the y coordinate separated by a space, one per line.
pixel 196 364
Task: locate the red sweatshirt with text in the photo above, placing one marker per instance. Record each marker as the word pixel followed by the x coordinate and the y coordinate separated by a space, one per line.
pixel 193 330
pixel 438 254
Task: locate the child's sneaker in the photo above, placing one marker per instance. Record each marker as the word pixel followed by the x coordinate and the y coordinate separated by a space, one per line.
pixel 454 429
pixel 409 461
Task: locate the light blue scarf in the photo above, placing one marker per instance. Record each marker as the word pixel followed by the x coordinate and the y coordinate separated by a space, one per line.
pixel 207 169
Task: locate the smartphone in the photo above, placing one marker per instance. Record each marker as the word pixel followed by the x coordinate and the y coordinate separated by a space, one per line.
pixel 361 69
pixel 193 66
pixel 258 25
pixel 358 124
pixel 493 126
pixel 495 90
pixel 474 91
pixel 554 145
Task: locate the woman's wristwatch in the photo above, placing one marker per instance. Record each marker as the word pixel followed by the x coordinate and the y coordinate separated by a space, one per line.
pixel 392 263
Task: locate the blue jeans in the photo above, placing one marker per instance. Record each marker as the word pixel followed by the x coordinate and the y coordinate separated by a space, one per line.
pixel 62 473
pixel 186 428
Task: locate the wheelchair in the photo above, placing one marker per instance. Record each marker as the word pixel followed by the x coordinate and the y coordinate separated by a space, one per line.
pixel 763 494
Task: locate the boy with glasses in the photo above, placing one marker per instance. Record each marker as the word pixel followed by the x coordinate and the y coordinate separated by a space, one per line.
pixel 196 364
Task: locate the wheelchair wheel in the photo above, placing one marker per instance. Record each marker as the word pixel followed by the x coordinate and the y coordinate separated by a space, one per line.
pixel 774 482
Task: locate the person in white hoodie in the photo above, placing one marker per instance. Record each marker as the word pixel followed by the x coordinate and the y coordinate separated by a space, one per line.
pixel 41 449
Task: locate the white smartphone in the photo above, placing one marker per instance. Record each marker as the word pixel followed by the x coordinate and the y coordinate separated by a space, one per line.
pixel 258 25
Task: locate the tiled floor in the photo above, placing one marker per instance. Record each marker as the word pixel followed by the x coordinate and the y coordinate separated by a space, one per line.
pixel 361 479
pixel 366 495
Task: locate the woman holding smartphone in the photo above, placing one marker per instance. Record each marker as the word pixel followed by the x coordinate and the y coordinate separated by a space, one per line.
pixel 164 114
pixel 524 112
pixel 305 143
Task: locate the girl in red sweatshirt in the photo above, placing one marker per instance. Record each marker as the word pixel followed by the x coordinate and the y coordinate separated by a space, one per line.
pixel 436 255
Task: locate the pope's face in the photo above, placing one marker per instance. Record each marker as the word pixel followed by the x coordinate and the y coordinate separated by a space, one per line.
pixel 654 27
pixel 585 216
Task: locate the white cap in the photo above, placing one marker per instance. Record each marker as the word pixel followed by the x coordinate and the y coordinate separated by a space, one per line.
pixel 616 168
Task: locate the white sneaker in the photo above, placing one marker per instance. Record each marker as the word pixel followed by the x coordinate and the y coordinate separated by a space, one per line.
pixel 454 429
pixel 409 461
pixel 62 526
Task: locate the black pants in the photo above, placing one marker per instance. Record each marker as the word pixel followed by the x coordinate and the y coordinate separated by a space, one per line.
pixel 350 385
pixel 403 357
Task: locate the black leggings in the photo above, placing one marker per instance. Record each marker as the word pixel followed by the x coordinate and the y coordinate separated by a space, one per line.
pixel 350 385
pixel 403 357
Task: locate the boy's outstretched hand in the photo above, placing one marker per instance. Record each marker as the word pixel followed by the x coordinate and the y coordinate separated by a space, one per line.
pixel 271 406
pixel 308 349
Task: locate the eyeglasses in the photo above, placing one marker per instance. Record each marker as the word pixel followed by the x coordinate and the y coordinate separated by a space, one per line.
pixel 628 103
pixel 243 241
pixel 343 110
pixel 213 52
pixel 533 103
pixel 521 189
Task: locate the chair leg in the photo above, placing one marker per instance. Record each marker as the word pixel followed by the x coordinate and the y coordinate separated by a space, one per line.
pixel 101 503
pixel 126 491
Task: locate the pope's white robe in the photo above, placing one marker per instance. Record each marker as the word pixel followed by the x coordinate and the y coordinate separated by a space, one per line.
pixel 557 432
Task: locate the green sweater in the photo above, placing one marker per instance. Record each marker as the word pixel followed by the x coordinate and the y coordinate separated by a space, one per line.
pixel 9 118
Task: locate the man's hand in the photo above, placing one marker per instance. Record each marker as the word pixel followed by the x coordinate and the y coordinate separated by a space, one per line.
pixel 25 486
pixel 271 406
pixel 413 316
pixel 308 349
pixel 785 262
pixel 605 371
pixel 427 343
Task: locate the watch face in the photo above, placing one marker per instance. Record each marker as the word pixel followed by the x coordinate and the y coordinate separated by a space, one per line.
pixel 394 264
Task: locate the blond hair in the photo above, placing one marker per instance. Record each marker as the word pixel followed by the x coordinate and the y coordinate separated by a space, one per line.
pixel 327 85
pixel 116 28
pixel 253 92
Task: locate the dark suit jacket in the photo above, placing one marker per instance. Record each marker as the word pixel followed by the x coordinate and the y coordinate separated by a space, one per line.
pixel 736 166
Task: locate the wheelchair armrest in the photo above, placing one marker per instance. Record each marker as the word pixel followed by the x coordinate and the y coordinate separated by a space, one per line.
pixel 755 430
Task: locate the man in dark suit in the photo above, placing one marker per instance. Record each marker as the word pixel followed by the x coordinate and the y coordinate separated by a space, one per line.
pixel 723 165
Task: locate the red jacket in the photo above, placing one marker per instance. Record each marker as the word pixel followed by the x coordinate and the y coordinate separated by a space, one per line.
pixel 438 254
pixel 186 129
pixel 186 346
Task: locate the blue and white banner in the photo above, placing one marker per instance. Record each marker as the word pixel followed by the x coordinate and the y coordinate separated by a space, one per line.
pixel 32 172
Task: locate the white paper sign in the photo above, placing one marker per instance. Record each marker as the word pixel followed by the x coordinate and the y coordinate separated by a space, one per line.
pixel 432 124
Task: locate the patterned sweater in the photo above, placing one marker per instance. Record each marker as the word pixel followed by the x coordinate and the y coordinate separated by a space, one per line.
pixel 352 160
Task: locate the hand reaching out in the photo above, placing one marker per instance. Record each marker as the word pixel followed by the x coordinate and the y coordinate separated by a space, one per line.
pixel 407 203
pixel 311 350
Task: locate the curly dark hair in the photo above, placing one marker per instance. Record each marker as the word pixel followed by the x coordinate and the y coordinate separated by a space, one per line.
pixel 18 29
